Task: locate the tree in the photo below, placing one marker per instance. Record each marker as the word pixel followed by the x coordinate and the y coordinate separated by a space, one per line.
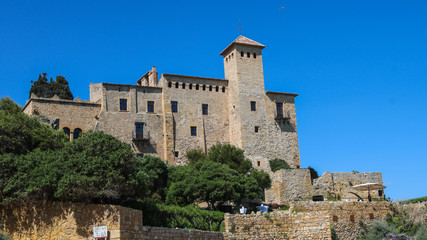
pixel 195 155
pixel 277 164
pixel 154 171
pixel 313 173
pixel 20 133
pixel 231 156
pixel 45 89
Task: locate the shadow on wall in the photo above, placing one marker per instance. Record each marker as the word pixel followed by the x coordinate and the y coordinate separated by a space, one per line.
pixel 26 217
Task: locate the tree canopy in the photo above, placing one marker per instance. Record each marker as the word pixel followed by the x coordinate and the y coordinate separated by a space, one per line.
pixel 277 164
pixel 47 89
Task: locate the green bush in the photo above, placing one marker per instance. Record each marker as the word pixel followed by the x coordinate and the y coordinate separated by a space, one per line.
pixel 162 215
pixel 4 237
pixel 415 200
pixel 421 233
pixel 277 164
pixel 378 230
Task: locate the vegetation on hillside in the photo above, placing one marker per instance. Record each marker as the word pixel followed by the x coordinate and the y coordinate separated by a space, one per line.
pixel 414 200
pixel 47 89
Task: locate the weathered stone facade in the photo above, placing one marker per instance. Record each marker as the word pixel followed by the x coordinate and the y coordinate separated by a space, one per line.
pixel 289 184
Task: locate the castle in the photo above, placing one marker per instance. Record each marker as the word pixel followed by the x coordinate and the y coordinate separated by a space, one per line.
pixel 170 116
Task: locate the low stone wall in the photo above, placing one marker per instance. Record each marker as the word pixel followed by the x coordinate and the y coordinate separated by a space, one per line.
pixel 160 233
pixel 278 225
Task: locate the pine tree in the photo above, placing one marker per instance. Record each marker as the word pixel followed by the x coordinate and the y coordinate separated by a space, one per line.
pixel 45 89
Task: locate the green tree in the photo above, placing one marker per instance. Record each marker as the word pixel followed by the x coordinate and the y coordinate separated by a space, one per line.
pixel 195 155
pixel 231 156
pixel 20 133
pixel 313 173
pixel 43 88
pixel 154 171
pixel 277 164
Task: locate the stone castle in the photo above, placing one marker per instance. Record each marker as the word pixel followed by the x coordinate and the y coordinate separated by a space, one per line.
pixel 177 113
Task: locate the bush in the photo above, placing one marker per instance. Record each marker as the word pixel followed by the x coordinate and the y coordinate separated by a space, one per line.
pixel 379 230
pixel 162 215
pixel 4 237
pixel 313 173
pixel 277 164
pixel 421 233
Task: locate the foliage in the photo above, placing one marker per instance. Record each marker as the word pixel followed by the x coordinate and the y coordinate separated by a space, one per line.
pixel 45 89
pixel 162 215
pixel 262 178
pixel 277 164
pixel 414 200
pixel 231 156
pixel 155 174
pixel 422 232
pixel 400 220
pixel 285 207
pixel 334 235
pixel 4 237
pixel 195 155
pixel 20 133
pixel 313 173
pixel 378 230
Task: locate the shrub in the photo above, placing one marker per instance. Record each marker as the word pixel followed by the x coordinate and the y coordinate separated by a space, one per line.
pixel 421 233
pixel 378 230
pixel 313 173
pixel 4 237
pixel 277 164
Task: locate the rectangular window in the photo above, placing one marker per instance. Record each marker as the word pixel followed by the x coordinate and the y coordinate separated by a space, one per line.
pixel 174 106
pixel 139 130
pixel 150 106
pixel 253 106
pixel 256 129
pixel 176 154
pixel 205 109
pixel 258 163
pixel 193 131
pixel 279 109
pixel 123 104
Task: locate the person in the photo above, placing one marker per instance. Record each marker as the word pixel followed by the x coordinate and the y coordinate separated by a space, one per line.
pixel 369 197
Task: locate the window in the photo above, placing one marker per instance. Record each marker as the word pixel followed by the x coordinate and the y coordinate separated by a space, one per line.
pixel 279 109
pixel 351 218
pixel 183 86
pixel 66 131
pixel 139 130
pixel 176 85
pixel 256 129
pixel 170 84
pixel 334 218
pixel 242 54
pixel 258 163
pixel 248 54
pixel 123 104
pixel 223 89
pixel 193 130
pixel 371 216
pixel 174 106
pixel 210 88
pixel 254 55
pixel 197 86
pixel 253 106
pixel 190 86
pixel 217 88
pixel 204 87
pixel 205 109
pixel 76 133
pixel 150 106
pixel 176 154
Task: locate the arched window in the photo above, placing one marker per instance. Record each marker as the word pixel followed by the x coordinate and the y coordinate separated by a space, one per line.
pixel 254 55
pixel 197 86
pixel 183 85
pixel 223 89
pixel 204 87
pixel 232 54
pixel 170 84
pixel 176 85
pixel 217 88
pixel 210 88
pixel 67 131
pixel 242 54
pixel 76 133
pixel 248 54
pixel 190 86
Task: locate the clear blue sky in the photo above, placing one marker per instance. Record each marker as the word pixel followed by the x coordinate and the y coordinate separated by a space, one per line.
pixel 360 67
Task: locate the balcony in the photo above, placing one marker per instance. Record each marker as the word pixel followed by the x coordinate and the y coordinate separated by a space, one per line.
pixel 284 116
pixel 141 137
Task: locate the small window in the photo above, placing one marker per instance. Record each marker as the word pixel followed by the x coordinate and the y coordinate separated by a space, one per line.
pixel 174 106
pixel 197 86
pixel 183 85
pixel 139 130
pixel 176 154
pixel 253 106
pixel 351 218
pixel 217 88
pixel 76 133
pixel 223 89
pixel 256 129
pixel 66 131
pixel 193 130
pixel 176 85
pixel 279 109
pixel 204 87
pixel 190 86
pixel 210 88
pixel 205 109
pixel 150 106
pixel 248 54
pixel 170 84
pixel 371 216
pixel 334 218
pixel 242 54
pixel 254 55
pixel 258 163
pixel 123 104
pixel 232 54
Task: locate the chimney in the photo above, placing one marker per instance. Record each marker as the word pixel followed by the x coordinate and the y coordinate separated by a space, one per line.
pixel 153 77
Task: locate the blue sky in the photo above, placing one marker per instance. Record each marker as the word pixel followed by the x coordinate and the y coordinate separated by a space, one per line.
pixel 360 67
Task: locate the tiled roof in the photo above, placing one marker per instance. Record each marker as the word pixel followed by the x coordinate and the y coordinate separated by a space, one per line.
pixel 243 40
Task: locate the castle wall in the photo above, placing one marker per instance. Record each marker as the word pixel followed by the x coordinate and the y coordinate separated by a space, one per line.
pixel 289 185
pixel 339 183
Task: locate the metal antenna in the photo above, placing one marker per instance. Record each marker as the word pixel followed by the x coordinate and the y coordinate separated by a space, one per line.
pixel 240 28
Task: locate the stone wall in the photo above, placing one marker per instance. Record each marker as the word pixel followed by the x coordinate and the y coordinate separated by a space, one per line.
pixel 279 225
pixel 417 212
pixel 161 233
pixel 289 185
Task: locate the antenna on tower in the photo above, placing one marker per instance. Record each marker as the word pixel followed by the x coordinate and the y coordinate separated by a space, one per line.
pixel 240 28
